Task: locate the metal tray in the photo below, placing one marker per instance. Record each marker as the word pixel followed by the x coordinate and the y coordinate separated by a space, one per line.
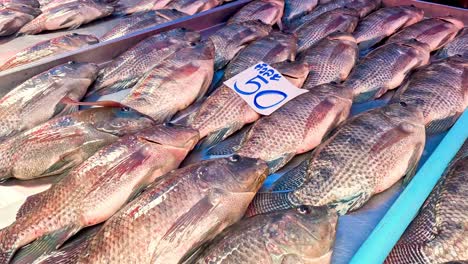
pixel 354 229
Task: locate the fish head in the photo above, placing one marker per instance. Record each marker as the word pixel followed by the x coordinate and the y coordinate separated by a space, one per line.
pixel 295 71
pixel 120 121
pixel 185 34
pixel 106 9
pixel 422 50
pixel 257 25
pixel 456 22
pixel 342 36
pixel 172 136
pixel 77 70
pixel 203 50
pixel 82 39
pixel 235 174
pixel 414 14
pixel 306 231
pixel 402 112
pixel 335 90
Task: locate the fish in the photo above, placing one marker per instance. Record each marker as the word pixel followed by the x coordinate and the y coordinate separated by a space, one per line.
pixel 141 20
pixel 57 146
pixel 366 155
pixel 95 190
pixel 439 90
pixel 371 78
pixel 41 97
pixel 192 7
pixel 224 112
pixel 232 38
pixel 458 46
pixel 436 32
pixel 69 15
pixel 176 83
pixel 14 17
pixel 294 9
pixel 146 5
pixel 298 126
pixel 49 47
pixel 362 7
pixel 31 3
pixel 330 59
pixel 126 69
pixel 178 212
pixel 269 12
pixel 302 235
pixel 337 20
pixel 383 23
pixel 438 234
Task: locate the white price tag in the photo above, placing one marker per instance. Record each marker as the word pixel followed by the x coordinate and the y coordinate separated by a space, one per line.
pixel 263 88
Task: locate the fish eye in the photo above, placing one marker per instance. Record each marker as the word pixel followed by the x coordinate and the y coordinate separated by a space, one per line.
pixel 193 44
pixel 71 62
pixel 234 158
pixel 125 109
pixel 168 124
pixel 303 209
pixel 403 104
pixel 74 34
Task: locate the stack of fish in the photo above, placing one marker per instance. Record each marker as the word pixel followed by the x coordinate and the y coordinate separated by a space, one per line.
pixel 116 166
pixel 14 14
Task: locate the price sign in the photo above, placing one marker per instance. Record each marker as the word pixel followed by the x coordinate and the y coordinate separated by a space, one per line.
pixel 263 88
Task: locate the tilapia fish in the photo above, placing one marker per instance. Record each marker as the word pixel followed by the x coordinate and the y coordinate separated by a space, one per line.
pixel 362 7
pixel 438 234
pixel 146 5
pixel 49 47
pixel 142 20
pixel 331 59
pixel 232 38
pixel 68 15
pixel 224 112
pixel 440 91
pixel 458 46
pixel 125 70
pixel 268 11
pixel 294 9
pixel 55 147
pixel 178 212
pixel 31 3
pixel 15 16
pixel 385 22
pixel 40 98
pixel 341 19
pixel 298 126
pixel 385 68
pixel 302 235
pixel 192 7
pixel 174 84
pixel 436 32
pixel 95 190
pixel 365 156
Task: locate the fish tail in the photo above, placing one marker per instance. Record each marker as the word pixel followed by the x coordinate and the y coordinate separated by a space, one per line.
pixel 6 247
pixel 269 202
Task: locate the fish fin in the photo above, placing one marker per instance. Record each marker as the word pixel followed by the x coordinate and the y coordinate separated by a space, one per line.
pixel 114 88
pixel 70 101
pixel 279 162
pixel 349 203
pixel 229 145
pixel 43 245
pixel 182 117
pixel 61 109
pixel 292 179
pixel 65 163
pixel 413 164
pixel 441 125
pixel 268 202
pixel 218 136
pixel 29 205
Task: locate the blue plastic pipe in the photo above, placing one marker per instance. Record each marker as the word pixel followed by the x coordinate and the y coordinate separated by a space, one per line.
pixel 389 230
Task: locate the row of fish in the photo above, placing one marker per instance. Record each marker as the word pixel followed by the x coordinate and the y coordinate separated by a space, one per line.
pixel 104 157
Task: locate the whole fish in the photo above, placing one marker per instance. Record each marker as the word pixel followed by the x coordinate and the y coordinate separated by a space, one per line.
pixel 192 7
pixel 125 70
pixel 49 47
pixel 298 126
pixel 365 156
pixel 232 38
pixel 178 212
pixel 142 20
pixel 330 59
pixel 269 12
pixel 146 5
pixel 303 235
pixel 385 22
pixel 31 3
pixel 438 234
pixel 92 192
pixel 174 84
pixel 40 98
pixel 362 7
pixel 458 46
pixel 15 16
pixel 385 68
pixel 338 20
pixel 225 112
pixel 68 15
pixel 55 147
pixel 294 9
pixel 440 91
pixel 436 32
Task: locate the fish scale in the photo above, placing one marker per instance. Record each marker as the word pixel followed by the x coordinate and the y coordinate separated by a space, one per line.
pixel 371 151
pixel 268 11
pixel 458 46
pixel 192 7
pixel 145 5
pixel 294 9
